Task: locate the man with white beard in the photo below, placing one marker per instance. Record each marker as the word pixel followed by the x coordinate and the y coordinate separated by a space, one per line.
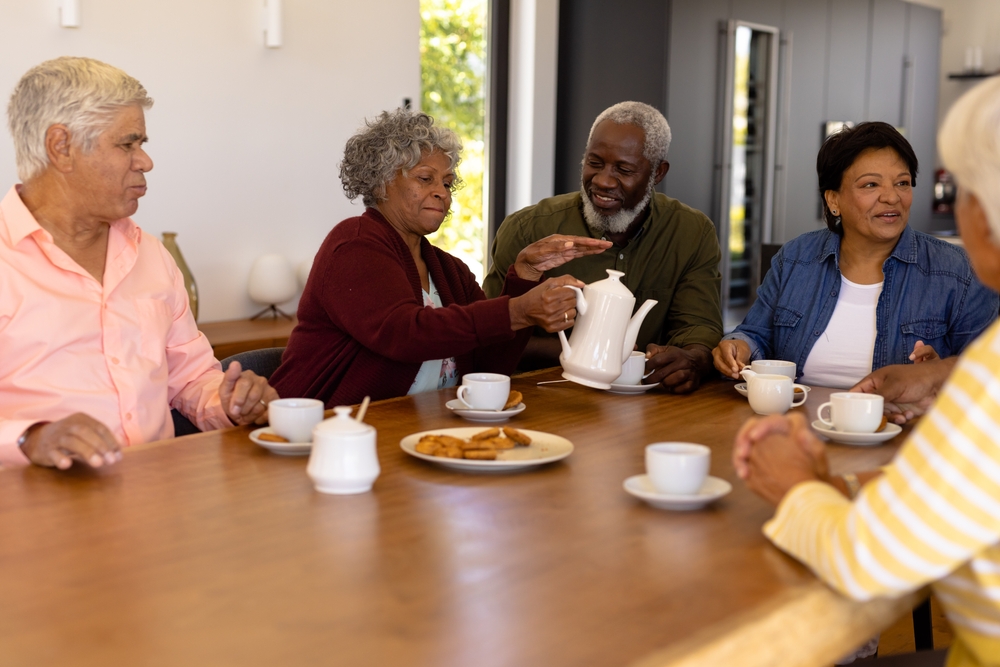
pixel 667 251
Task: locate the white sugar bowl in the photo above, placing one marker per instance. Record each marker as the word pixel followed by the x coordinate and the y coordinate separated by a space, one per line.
pixel 343 458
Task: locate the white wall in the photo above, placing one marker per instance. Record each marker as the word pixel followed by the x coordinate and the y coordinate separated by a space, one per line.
pixel 967 23
pixel 245 140
pixel 531 143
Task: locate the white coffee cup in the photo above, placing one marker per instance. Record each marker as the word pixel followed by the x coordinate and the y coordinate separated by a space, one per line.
pixel 633 369
pixel 484 391
pixel 773 367
pixel 677 468
pixel 851 412
pixel 294 418
pixel 772 394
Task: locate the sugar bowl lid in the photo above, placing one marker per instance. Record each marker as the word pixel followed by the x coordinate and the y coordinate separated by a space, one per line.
pixel 342 424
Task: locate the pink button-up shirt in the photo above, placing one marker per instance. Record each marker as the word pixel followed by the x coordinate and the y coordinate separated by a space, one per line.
pixel 124 352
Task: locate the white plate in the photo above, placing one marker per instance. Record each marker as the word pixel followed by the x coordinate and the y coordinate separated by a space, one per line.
pixel 631 388
pixel 865 439
pixel 741 388
pixel 544 448
pixel 642 487
pixel 484 416
pixel 282 448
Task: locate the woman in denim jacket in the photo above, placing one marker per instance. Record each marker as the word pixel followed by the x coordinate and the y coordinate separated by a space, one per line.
pixel 869 291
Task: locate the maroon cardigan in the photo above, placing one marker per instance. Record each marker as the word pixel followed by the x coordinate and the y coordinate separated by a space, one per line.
pixel 363 329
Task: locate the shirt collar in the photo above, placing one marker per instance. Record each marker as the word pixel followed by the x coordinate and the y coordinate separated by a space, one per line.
pixel 906 246
pixel 905 250
pixel 21 223
pixel 18 219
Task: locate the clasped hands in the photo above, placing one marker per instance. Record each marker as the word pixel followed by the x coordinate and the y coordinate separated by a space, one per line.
pixel 80 437
pixel 772 454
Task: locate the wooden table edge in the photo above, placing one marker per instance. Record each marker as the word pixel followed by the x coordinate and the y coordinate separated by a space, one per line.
pixel 805 627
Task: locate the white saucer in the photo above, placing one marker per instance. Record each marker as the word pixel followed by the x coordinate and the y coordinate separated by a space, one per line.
pixel 641 487
pixel 282 448
pixel 483 416
pixel 865 439
pixel 631 388
pixel 741 388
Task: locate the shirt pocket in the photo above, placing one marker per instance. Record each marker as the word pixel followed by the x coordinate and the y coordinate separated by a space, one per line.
pixel 783 344
pixel 930 331
pixel 786 317
pixel 154 322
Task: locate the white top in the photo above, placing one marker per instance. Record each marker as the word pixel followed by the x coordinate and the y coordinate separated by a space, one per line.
pixel 843 353
pixel 436 373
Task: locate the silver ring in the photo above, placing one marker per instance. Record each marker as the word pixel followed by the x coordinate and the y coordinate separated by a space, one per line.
pixel 566 316
pixel 263 403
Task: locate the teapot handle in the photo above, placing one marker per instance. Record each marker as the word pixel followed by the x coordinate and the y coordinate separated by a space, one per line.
pixel 581 301
pixel 581 308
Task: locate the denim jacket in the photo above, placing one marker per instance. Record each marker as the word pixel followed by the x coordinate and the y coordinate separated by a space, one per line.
pixel 929 294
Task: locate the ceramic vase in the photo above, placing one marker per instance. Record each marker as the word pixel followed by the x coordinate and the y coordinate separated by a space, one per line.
pixel 170 243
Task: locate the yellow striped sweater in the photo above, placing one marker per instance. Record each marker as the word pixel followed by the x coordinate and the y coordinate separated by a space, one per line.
pixel 933 517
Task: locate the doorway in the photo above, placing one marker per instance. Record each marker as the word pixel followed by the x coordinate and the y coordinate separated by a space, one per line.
pixel 746 159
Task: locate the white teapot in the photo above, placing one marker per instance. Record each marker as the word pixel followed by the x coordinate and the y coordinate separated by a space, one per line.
pixel 343 458
pixel 603 336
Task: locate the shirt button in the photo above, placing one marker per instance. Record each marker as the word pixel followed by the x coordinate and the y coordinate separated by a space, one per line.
pixel 622 256
pixel 128 416
pixel 815 333
pixel 114 360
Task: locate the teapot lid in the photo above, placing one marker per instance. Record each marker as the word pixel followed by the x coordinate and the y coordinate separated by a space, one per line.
pixel 342 423
pixel 612 284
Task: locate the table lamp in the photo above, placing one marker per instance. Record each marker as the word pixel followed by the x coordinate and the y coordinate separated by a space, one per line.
pixel 272 281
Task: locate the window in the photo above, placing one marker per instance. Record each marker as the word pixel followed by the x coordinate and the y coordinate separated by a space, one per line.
pixel 453 82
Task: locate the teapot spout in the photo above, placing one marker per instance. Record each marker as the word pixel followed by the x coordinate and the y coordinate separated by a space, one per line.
pixel 632 332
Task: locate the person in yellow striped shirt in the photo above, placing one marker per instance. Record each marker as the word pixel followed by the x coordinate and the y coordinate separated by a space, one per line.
pixel 933 515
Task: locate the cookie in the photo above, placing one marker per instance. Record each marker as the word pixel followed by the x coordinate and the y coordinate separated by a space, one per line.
pixel 513 400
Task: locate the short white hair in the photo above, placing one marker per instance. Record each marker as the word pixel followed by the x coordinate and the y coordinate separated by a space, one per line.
pixel 969 146
pixel 81 93
pixel 652 122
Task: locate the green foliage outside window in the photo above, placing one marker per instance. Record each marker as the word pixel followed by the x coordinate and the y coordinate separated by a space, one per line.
pixel 453 75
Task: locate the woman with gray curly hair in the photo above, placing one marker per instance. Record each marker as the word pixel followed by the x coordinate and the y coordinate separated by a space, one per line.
pixel 384 313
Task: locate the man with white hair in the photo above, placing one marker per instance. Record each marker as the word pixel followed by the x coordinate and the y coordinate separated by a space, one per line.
pixel 668 251
pixel 97 338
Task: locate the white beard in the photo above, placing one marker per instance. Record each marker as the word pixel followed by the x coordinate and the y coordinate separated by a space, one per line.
pixel 616 223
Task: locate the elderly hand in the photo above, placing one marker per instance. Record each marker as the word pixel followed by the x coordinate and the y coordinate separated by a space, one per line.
pixel 553 251
pixel 245 395
pixel 550 306
pixel 775 453
pixel 679 370
pixel 908 390
pixel 923 352
pixel 730 356
pixel 78 437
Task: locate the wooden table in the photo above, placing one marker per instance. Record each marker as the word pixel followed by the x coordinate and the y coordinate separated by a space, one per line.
pixel 231 337
pixel 208 550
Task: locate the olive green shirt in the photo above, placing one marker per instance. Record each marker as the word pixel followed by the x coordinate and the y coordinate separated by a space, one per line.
pixel 674 258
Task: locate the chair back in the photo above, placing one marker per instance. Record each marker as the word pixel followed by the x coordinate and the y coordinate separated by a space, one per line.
pixel 263 362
